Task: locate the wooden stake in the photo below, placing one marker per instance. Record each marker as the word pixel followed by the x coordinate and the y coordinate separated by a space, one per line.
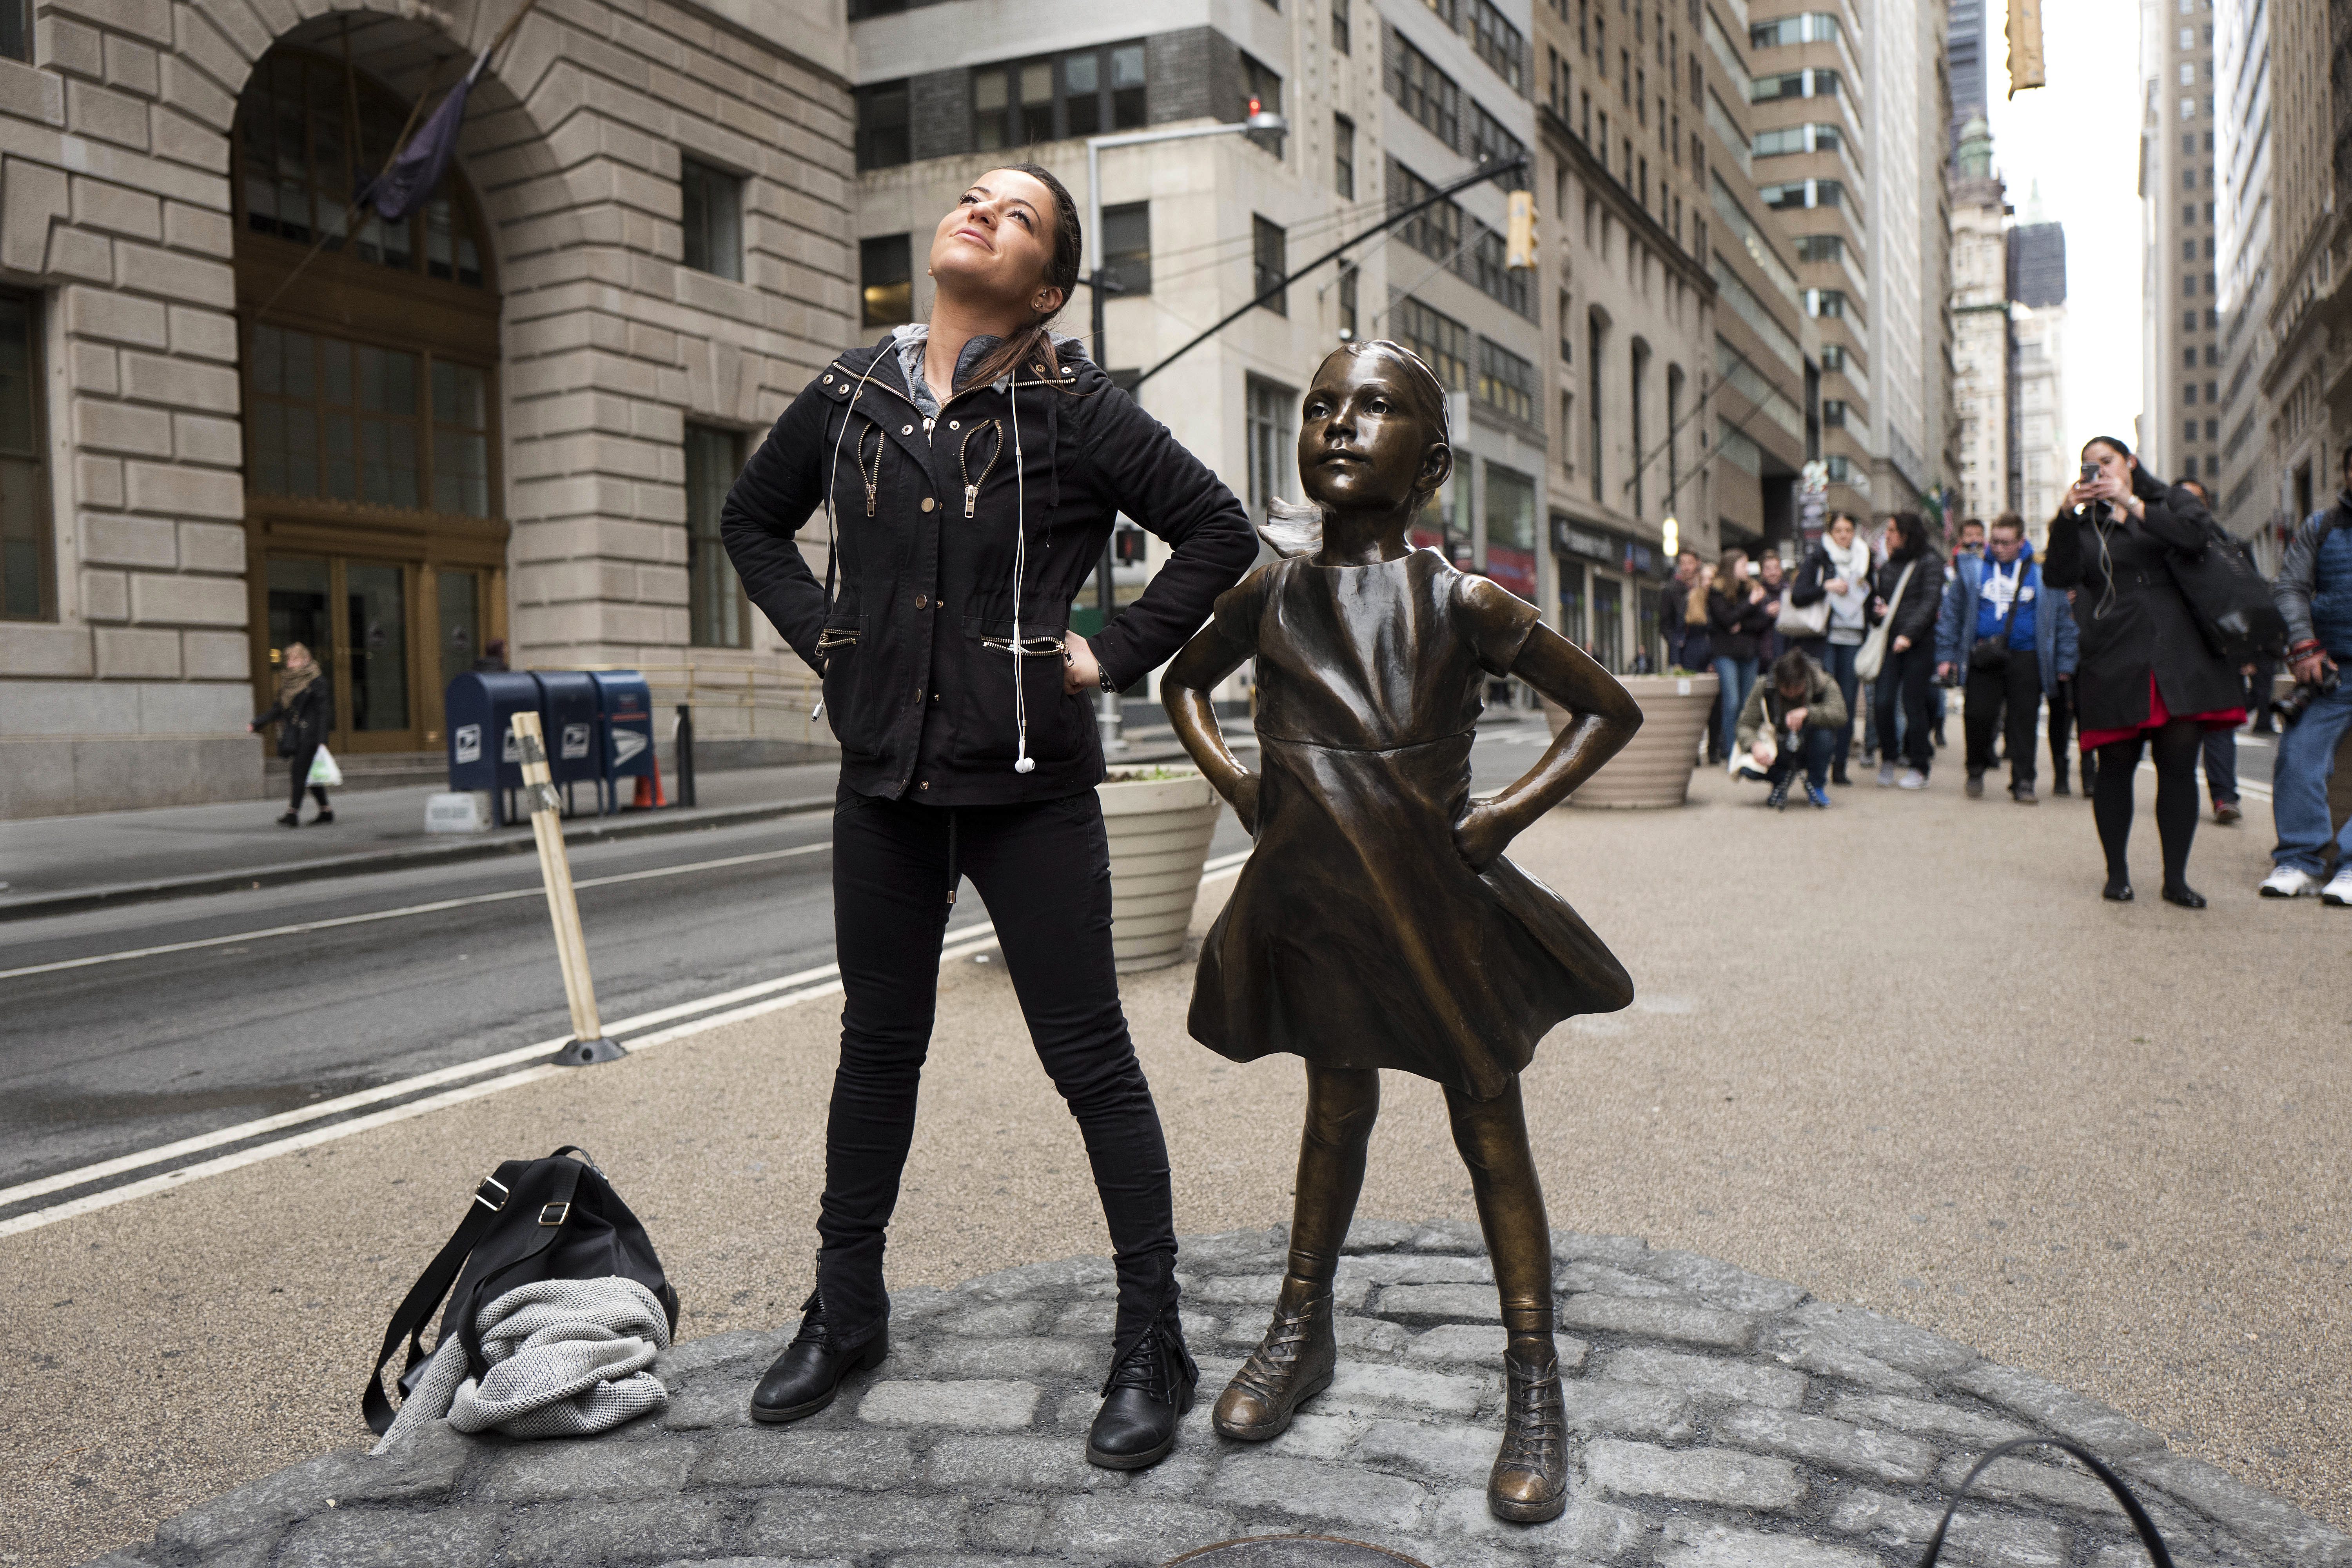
pixel 588 1043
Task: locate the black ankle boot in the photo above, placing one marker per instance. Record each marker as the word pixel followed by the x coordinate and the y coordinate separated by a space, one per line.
pixel 804 1380
pixel 1149 1391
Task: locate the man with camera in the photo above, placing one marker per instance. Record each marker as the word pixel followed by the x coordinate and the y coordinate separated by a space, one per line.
pixel 2314 592
pixel 1996 627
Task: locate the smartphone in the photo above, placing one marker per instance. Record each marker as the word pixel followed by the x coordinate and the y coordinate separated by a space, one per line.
pixel 2090 473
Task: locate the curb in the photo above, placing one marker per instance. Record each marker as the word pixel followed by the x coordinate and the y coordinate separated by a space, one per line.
pixel 668 821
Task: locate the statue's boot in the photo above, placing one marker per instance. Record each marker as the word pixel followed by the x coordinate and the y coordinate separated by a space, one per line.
pixel 1529 1481
pixel 1291 1365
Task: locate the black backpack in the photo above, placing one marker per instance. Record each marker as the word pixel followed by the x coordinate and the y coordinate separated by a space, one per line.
pixel 555 1218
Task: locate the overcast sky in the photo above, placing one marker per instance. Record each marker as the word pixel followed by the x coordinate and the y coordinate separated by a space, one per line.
pixel 2079 139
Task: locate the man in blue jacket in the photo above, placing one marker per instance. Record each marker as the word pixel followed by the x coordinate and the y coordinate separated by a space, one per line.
pixel 2314 592
pixel 2015 648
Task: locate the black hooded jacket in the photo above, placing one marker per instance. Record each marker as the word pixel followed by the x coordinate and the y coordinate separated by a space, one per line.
pixel 2135 625
pixel 918 674
pixel 1915 616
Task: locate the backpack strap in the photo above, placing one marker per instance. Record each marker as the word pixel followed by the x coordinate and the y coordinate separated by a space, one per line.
pixel 416 1310
pixel 547 1226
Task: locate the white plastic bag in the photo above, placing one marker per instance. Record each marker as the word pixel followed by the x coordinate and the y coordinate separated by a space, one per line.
pixel 323 770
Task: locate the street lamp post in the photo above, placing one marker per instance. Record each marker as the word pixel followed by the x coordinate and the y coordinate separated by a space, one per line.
pixel 1107 718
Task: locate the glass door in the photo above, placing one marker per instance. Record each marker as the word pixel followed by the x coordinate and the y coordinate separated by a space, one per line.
pixel 300 591
pixel 375 630
pixel 1609 623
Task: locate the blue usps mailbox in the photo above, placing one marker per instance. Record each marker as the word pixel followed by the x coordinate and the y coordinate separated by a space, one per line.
pixel 567 710
pixel 480 706
pixel 626 709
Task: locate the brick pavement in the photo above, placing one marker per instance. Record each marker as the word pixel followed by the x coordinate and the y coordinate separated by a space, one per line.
pixel 1720 1420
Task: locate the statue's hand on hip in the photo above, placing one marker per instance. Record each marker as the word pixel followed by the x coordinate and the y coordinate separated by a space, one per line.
pixel 1481 835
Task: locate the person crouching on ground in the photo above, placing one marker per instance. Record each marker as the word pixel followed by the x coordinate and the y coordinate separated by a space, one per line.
pixel 1377 923
pixel 304 714
pixel 1999 626
pixel 1794 721
pixel 2314 592
pixel 965 709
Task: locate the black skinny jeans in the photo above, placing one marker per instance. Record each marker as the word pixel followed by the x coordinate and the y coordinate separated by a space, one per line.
pixel 300 779
pixel 1902 677
pixel 1043 871
pixel 2006 701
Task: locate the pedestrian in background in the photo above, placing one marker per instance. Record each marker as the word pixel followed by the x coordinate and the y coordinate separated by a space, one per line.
pixel 2314 592
pixel 2221 748
pixel 1682 612
pixel 1773 573
pixel 1837 568
pixel 2060 689
pixel 1789 722
pixel 1908 607
pixel 2146 678
pixel 1735 617
pixel 304 713
pixel 1997 630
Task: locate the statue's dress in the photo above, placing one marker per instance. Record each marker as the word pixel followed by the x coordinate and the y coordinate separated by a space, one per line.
pixel 1357 936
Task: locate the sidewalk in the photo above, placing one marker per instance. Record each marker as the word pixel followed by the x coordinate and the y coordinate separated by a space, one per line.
pixel 1899 1054
pixel 54 864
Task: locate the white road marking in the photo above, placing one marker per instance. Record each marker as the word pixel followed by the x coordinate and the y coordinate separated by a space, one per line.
pixel 437 907
pixel 811 984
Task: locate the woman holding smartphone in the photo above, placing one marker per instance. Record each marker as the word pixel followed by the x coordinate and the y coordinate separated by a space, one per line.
pixel 2145 678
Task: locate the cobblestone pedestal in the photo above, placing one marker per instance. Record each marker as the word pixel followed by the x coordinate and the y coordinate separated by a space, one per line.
pixel 1719 1420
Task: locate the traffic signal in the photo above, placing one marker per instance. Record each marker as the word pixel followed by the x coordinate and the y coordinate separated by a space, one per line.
pixel 1519 251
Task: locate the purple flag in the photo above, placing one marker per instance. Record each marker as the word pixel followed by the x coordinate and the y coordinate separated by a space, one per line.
pixel 416 169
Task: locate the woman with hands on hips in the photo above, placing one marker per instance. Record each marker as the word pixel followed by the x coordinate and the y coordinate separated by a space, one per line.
pixel 1377 924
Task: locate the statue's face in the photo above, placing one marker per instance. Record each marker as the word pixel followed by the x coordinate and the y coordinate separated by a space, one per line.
pixel 1363 440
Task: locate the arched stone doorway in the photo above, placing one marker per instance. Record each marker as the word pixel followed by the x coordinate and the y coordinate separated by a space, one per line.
pixel 368 356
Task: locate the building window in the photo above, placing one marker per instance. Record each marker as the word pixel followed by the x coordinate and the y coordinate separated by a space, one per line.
pixel 1268 254
pixel 16 29
pixel 1272 418
pixel 1436 230
pixel 296 170
pixel 886 279
pixel 883 133
pixel 1834 356
pixel 1596 340
pixel 1811 27
pixel 1498 43
pixel 1127 246
pixel 26 591
pixel 1442 342
pixel 1797 194
pixel 1490 143
pixel 1343 157
pixel 1828 302
pixel 1340 29
pixel 461 439
pixel 1347 304
pixel 1080 94
pixel 1833 413
pixel 1511 530
pixel 715 610
pixel 713 219
pixel 1820 248
pixel 328 418
pixel 1507 382
pixel 1794 84
pixel 1487 256
pixel 1423 91
pixel 1797 139
pixel 1447 11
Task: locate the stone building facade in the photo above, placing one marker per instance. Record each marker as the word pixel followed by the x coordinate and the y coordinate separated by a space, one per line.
pixel 239 415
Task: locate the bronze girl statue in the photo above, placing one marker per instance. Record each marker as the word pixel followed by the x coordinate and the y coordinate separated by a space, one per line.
pixel 1377 924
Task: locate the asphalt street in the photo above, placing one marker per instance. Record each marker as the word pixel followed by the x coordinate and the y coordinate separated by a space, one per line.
pixel 436 967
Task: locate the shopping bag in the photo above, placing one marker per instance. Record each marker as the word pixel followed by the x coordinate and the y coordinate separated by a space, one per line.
pixel 323 770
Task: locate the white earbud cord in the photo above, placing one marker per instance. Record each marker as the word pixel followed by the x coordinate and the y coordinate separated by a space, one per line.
pixel 1022 762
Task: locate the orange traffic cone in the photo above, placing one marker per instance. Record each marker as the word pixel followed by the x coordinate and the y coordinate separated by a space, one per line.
pixel 649 790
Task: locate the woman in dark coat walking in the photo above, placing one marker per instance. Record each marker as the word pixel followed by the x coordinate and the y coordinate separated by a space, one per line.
pixel 2145 675
pixel 1902 678
pixel 971 468
pixel 304 714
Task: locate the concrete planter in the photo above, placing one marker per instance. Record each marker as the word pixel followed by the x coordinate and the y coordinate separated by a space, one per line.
pixel 1654 768
pixel 1159 830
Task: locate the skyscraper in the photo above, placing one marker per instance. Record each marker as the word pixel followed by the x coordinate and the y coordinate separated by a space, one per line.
pixel 1980 349
pixel 2042 464
pixel 2180 423
pixel 1964 44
